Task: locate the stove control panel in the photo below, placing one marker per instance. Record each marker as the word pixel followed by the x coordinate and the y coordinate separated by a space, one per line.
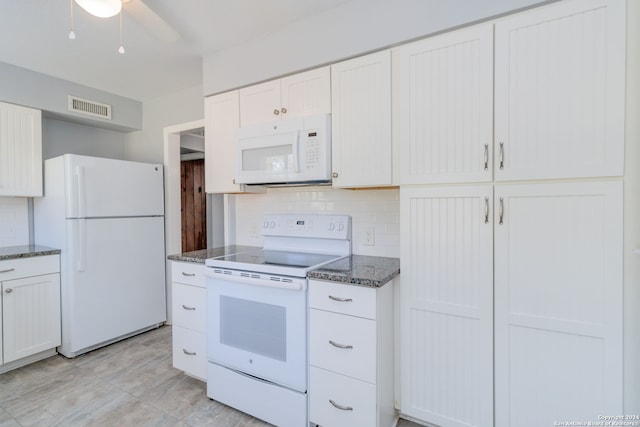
pixel 325 226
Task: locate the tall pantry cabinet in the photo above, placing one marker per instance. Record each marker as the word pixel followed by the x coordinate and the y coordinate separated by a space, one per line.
pixel 512 282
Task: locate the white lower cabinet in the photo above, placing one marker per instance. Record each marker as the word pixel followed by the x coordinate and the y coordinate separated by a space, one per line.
pixel 351 355
pixel 189 318
pixel 30 310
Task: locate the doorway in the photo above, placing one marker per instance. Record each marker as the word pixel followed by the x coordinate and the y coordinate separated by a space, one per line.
pixel 193 205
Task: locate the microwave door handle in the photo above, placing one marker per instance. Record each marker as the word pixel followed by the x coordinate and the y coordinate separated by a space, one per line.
pixel 296 141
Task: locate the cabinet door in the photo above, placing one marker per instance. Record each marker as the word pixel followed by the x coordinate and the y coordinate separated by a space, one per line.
pixel 20 151
pixel 445 107
pixel 559 106
pixel 558 302
pixel 30 315
pixel 306 94
pixel 447 305
pixel 221 122
pixel 260 103
pixel 361 150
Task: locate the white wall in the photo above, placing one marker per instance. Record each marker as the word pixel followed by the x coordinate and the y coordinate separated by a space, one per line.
pixel 379 209
pixel 62 137
pixel 173 109
pixel 349 30
pixel 14 221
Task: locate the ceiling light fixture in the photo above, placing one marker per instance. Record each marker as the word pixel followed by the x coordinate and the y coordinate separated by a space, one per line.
pixel 101 8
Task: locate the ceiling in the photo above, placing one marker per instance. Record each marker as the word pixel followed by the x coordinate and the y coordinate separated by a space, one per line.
pixel 35 36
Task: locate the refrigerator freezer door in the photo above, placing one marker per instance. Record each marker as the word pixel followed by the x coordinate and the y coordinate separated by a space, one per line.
pixel 115 280
pixel 98 187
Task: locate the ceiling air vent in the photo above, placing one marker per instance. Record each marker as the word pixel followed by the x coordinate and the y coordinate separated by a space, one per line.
pixel 89 108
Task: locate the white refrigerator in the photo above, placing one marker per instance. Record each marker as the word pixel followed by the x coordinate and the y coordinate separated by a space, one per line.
pixel 107 217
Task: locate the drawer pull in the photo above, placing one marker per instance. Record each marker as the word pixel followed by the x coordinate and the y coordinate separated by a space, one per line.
pixel 345 346
pixel 342 408
pixel 188 353
pixel 188 308
pixel 188 274
pixel 7 270
pixel 340 299
pixel 8 290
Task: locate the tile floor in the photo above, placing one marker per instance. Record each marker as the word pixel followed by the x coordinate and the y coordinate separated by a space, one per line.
pixel 130 383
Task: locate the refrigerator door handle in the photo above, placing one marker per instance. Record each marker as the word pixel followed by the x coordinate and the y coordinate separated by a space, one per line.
pixel 81 192
pixel 81 245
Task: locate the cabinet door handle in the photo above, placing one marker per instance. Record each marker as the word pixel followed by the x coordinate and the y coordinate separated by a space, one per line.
pixel 188 274
pixel 8 290
pixel 188 353
pixel 276 112
pixel 501 155
pixel 334 175
pixel 486 157
pixel 486 210
pixel 344 346
pixel 341 407
pixel 283 110
pixel 188 308
pixel 501 214
pixel 340 299
pixel 7 270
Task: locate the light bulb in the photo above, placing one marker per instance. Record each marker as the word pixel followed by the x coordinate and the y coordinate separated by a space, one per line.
pixel 72 35
pixel 121 50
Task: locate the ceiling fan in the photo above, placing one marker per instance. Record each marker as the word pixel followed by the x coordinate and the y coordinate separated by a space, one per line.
pixel 142 13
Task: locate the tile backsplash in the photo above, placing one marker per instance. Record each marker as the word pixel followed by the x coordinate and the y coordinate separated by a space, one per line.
pixel 14 221
pixel 377 210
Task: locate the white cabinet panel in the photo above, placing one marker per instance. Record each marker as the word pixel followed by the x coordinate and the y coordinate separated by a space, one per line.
pixel 444 107
pixel 189 349
pixel 189 306
pixel 20 151
pixel 559 97
pixel 302 94
pixel 362 154
pixel 447 305
pixel 558 302
pixel 351 300
pixel 30 315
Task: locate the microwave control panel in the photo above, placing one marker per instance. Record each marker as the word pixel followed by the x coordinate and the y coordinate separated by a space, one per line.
pixel 312 148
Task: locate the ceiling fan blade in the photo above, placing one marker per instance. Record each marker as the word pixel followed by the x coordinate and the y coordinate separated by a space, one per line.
pixel 146 17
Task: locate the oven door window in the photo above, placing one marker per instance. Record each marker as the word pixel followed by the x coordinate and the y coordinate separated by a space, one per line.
pixel 253 326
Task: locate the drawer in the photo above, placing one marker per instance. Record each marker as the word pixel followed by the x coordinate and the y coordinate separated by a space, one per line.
pixel 26 267
pixel 357 399
pixel 329 331
pixel 188 304
pixel 189 352
pixel 340 298
pixel 188 272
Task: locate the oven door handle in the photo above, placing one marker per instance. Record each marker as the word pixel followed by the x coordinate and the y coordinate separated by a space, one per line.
pixel 293 286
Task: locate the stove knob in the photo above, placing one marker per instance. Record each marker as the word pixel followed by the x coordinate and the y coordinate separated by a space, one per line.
pixel 272 224
pixel 340 227
pixel 266 224
pixel 332 226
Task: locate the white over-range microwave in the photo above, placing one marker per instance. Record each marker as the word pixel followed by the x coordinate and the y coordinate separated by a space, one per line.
pixel 291 151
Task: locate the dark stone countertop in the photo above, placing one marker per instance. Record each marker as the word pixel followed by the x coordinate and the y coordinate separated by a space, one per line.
pixel 26 251
pixel 201 255
pixel 360 270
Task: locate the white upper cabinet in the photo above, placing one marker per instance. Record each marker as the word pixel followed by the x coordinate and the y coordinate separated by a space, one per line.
pixel 221 122
pixel 361 121
pixel 302 94
pixel 20 151
pixel 444 107
pixel 559 95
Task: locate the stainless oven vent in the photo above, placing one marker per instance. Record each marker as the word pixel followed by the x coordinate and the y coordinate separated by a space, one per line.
pixel 89 108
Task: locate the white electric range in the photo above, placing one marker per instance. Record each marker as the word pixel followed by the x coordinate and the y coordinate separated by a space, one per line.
pixel 257 316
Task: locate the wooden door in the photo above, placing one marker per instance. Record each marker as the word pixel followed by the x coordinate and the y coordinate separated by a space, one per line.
pixel 194 206
pixel 558 302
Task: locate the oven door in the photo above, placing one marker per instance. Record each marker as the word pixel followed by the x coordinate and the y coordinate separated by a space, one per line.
pixel 256 324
